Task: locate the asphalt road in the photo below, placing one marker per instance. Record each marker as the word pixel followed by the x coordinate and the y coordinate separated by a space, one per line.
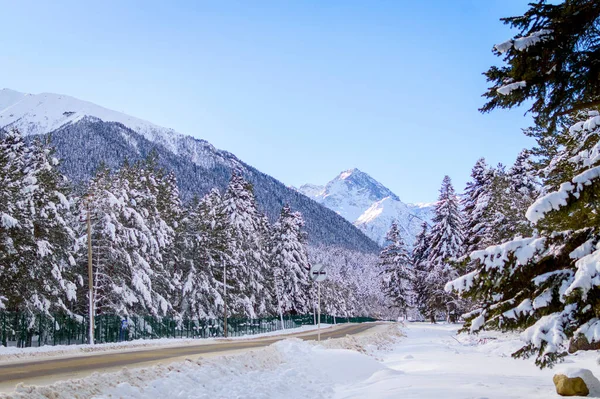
pixel 54 369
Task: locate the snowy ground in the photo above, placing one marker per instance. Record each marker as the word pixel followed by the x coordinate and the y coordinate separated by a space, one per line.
pixel 11 354
pixel 431 363
pixel 427 363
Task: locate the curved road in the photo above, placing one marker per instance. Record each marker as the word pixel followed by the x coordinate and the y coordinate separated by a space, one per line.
pixel 50 370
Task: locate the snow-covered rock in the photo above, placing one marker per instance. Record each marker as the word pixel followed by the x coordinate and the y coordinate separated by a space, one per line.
pixel 576 382
pixel 369 205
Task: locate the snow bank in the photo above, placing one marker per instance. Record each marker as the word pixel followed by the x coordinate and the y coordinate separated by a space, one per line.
pixel 291 369
pixel 10 354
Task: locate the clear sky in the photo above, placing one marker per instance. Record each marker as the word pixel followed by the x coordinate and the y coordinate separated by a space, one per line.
pixel 299 89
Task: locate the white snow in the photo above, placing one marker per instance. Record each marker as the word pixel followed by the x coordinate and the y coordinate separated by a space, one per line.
pixel 509 88
pixel 557 199
pixel 376 221
pixel 430 362
pixel 46 112
pixel 369 205
pixel 523 43
pixel 8 221
pixel 504 46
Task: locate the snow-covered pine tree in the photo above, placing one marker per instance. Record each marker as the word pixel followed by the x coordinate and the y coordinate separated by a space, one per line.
pixel 155 237
pixel 289 263
pixel 523 187
pixel 475 202
pixel 446 241
pixel 562 38
pixel 129 239
pixel 265 299
pixel 548 284
pixel 496 214
pixel 419 256
pixel 396 270
pixel 12 153
pixel 37 269
pixel 247 266
pixel 53 268
pixel 205 252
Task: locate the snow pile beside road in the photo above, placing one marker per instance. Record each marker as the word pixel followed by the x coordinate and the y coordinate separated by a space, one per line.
pixel 11 354
pixel 292 368
pixel 383 338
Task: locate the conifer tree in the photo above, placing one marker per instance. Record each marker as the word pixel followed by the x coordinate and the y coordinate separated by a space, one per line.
pixel 396 269
pixel 475 202
pixel 446 241
pixel 419 257
pixel 524 189
pixel 246 268
pixel 130 238
pixel 552 61
pixel 37 269
pixel 289 263
pixel 204 253
pixel 547 285
pixel 12 153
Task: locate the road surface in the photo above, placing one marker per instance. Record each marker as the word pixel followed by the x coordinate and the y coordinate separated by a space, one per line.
pixel 51 370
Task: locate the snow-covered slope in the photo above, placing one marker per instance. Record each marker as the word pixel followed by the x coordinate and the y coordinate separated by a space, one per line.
pixel 47 112
pixel 311 190
pixel 376 221
pixel 369 205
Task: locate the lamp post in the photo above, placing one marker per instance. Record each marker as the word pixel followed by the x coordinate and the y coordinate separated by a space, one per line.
pixel 90 270
pixel 225 299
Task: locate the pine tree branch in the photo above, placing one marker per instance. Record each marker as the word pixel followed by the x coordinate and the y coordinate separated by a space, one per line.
pixel 579 107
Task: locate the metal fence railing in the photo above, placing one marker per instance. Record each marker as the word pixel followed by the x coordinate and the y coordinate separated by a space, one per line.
pixel 26 330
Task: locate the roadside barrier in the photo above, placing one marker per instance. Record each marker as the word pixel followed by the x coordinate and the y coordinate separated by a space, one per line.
pixel 27 330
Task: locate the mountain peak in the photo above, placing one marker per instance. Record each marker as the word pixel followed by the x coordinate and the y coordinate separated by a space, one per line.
pixel 369 205
pixel 348 173
pixel 357 180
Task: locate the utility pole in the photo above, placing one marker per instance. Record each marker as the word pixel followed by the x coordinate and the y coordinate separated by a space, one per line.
pixel 318 274
pixel 224 299
pixel 90 272
pixel 279 303
pixel 319 327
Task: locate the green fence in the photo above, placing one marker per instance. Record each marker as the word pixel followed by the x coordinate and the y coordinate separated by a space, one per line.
pixel 26 330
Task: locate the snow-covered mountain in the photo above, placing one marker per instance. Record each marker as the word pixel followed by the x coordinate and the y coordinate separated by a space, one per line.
pixel 369 205
pixel 46 112
pixel 86 135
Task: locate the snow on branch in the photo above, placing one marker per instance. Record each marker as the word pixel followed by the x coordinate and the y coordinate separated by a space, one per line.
pixel 558 199
pixel 509 88
pixel 591 330
pixel 587 275
pixel 496 256
pixel 548 333
pixel 523 43
pixel 461 284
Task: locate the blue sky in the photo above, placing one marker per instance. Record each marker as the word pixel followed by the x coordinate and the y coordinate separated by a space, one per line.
pixel 299 89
